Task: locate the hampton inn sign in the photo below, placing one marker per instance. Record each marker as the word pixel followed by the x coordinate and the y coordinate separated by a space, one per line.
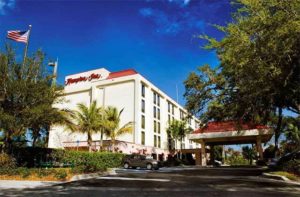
pixel 82 78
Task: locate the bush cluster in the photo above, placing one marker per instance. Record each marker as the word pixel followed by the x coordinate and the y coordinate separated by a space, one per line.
pixel 80 161
pixel 7 161
pixel 88 161
pixel 236 161
pixel 60 174
pixel 292 166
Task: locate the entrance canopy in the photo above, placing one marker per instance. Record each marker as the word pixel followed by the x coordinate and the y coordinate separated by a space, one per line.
pixel 230 132
pixel 226 133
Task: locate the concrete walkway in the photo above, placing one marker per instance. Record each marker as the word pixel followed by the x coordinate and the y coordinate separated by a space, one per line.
pixel 9 184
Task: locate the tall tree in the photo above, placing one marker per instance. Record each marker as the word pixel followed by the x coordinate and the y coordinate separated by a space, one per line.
pixel 177 130
pixel 249 154
pixel 87 120
pixel 24 91
pixel 112 127
pixel 259 71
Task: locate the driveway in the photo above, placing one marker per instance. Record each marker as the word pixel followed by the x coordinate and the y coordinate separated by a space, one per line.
pixel 172 182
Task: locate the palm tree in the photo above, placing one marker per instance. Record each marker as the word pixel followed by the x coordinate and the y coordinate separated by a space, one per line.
pixel 88 120
pixel 111 124
pixel 177 130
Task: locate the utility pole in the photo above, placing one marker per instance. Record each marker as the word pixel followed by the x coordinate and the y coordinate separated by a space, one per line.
pixel 54 65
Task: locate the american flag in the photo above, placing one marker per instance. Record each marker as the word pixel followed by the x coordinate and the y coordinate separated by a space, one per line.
pixel 19 36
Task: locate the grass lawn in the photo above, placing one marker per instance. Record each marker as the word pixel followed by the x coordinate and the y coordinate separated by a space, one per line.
pixel 290 176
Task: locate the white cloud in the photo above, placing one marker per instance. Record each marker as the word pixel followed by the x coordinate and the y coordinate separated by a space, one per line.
pixel 6 5
pixel 180 2
pixel 172 24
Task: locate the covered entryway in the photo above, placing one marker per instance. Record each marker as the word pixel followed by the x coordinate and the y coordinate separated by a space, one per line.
pixel 230 133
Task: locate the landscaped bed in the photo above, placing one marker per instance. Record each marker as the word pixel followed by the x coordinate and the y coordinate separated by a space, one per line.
pixel 37 174
pixel 288 175
pixel 61 165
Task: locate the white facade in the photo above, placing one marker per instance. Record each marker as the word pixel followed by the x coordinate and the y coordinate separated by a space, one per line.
pixel 140 99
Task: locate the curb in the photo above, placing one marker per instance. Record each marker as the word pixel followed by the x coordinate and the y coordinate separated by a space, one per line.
pixel 275 176
pixel 279 177
pixel 111 171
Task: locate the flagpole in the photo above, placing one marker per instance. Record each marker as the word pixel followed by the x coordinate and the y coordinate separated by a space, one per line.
pixel 26 48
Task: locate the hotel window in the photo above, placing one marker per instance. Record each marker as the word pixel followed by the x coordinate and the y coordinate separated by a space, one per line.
pixel 155 141
pixel 154 97
pixel 158 100
pixel 143 106
pixel 143 138
pixel 181 115
pixel 169 119
pixel 173 109
pixel 154 126
pixel 158 113
pixel 154 112
pixel 169 107
pixel 158 127
pixel 158 141
pixel 143 122
pixel 143 90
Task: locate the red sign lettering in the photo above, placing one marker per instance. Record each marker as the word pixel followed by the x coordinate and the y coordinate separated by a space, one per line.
pixel 80 79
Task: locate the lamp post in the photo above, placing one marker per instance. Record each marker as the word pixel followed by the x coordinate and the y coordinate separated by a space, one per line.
pixel 54 65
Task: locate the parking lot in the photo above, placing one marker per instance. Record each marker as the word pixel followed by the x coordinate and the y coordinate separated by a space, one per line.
pixel 189 181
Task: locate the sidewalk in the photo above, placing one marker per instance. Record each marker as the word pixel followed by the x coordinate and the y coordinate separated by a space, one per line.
pixel 9 184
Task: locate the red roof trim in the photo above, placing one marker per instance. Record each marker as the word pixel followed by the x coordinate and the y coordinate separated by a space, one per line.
pixel 122 73
pixel 212 127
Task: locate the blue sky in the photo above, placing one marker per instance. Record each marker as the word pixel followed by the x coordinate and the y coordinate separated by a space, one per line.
pixel 156 38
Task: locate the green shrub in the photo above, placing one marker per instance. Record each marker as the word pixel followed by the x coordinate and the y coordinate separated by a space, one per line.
pixel 78 170
pixel 292 166
pixel 42 172
pixel 89 162
pixel 61 174
pixel 236 160
pixel 23 172
pixel 7 161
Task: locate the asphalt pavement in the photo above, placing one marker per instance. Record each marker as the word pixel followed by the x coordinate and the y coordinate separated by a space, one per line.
pixel 174 182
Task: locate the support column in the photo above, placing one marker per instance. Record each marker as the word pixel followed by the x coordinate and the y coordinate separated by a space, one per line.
pixel 203 154
pixel 198 157
pixel 259 147
pixel 212 154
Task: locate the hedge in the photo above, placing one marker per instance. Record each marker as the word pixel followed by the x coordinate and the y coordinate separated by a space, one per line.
pixel 88 161
pixel 80 161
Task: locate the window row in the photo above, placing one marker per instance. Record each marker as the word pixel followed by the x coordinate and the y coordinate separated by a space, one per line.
pixel 157 141
pixel 156 126
pixel 171 107
pixel 156 112
pixel 169 118
pixel 156 98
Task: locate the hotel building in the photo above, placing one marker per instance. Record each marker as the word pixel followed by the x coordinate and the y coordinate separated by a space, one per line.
pixel 146 105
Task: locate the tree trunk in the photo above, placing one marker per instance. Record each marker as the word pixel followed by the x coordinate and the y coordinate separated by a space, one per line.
pixel 101 140
pixel 113 145
pixel 7 143
pixel 90 141
pixel 278 129
pixel 34 136
pixel 34 141
pixel 181 148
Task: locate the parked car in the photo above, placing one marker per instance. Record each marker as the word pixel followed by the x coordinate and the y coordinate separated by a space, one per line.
pixel 277 162
pixel 290 156
pixel 136 160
